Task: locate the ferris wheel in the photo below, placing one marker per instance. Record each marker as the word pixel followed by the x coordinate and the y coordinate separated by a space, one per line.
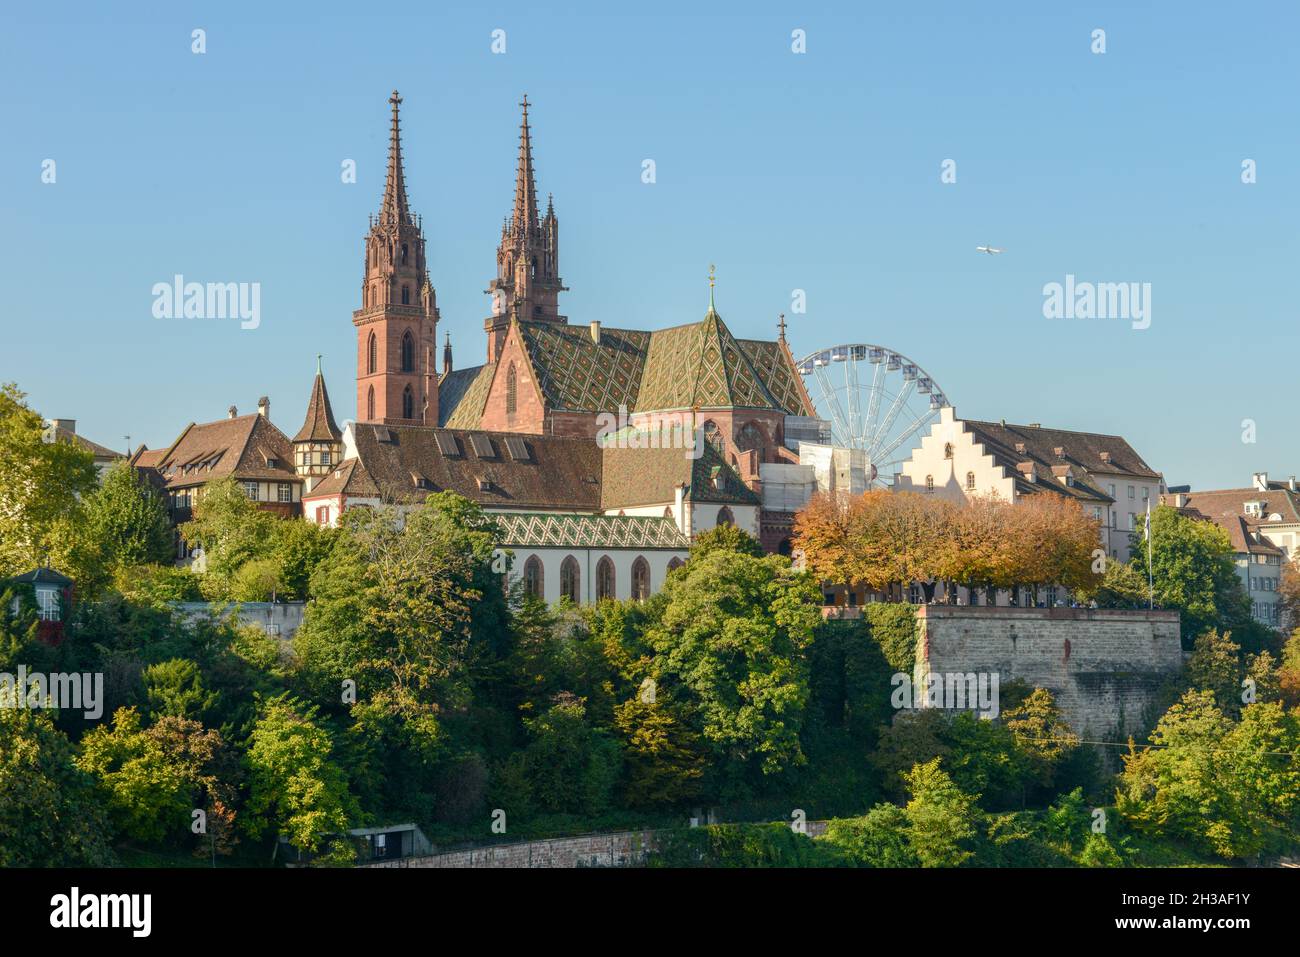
pixel 877 400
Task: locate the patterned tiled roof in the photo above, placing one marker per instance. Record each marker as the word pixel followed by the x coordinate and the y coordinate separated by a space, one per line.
pixel 776 371
pixel 542 530
pixel 462 394
pixel 700 366
pixel 576 373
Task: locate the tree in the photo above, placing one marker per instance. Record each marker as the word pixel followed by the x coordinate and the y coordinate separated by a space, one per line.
pixel 727 538
pixel 50 815
pixel 175 689
pixel 295 788
pixel 728 647
pixel 1215 666
pixel 1192 570
pixel 941 818
pixel 40 486
pixel 1041 733
pixel 231 530
pixel 663 757
pixel 153 778
pixel 878 839
pixel 571 767
pixel 125 523
pixel 1121 586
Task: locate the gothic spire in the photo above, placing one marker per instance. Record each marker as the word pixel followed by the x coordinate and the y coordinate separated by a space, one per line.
pixel 394 209
pixel 319 425
pixel 525 214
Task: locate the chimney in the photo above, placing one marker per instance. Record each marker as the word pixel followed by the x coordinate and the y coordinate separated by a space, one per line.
pixel 1259 481
pixel 1020 447
pixel 1180 499
pixel 231 412
pixel 595 331
pixel 1290 483
pixel 65 425
pixel 264 408
pixel 1059 451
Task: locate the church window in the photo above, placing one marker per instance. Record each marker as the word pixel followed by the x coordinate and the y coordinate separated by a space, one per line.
pixel 750 437
pixel 533 578
pixel 408 353
pixel 570 579
pixel 370 404
pixel 406 295
pixel 713 435
pixel 675 563
pixel 640 579
pixel 512 390
pixel 947 450
pixel 725 517
pixel 604 579
pixel 403 254
pixel 372 357
pixel 408 404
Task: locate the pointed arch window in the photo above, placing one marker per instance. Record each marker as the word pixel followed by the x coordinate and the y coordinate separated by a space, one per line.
pixel 512 390
pixel 370 404
pixel 408 353
pixel 725 517
pixel 713 434
pixel 570 579
pixel 604 579
pixel 675 564
pixel 403 254
pixel 640 579
pixel 408 403
pixel 534 581
pixel 750 437
pixel 372 354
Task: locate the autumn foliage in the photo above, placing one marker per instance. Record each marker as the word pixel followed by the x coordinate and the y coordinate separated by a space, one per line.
pixel 881 539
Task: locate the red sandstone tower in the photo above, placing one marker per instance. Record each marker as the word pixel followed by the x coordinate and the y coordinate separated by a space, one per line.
pixel 397 323
pixel 527 286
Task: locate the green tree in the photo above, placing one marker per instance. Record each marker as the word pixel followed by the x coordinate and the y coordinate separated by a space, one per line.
pixel 1215 666
pixel 1122 586
pixel 175 688
pixel 729 647
pixel 878 839
pixel 571 766
pixel 50 815
pixel 125 523
pixel 1041 733
pixel 664 759
pixel 941 818
pixel 1193 571
pixel 295 788
pixel 231 530
pixel 726 538
pixel 41 484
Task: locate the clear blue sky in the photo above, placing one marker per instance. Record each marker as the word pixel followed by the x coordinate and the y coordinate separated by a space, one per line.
pixel 817 171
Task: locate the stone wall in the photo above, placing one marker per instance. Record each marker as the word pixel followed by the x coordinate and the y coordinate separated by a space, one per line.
pixel 279 619
pixel 1104 667
pixel 617 849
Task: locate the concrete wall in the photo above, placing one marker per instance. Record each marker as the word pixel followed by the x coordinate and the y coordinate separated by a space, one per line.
pixel 1103 667
pixel 278 619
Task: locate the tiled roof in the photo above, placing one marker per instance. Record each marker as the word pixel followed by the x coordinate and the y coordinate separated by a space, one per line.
pixel 1083 449
pixel 700 366
pixel 99 451
pixel 1223 505
pixel 650 476
pixel 775 368
pixel 319 426
pixel 1245 538
pixel 349 478
pixel 240 448
pixel 462 394
pixel 589 531
pixel 554 472
pixel 576 373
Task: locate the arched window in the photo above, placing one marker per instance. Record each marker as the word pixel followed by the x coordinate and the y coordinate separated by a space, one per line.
pixel 403 254
pixel 675 564
pixel 970 481
pixel 640 579
pixel 408 353
pixel 929 483
pixel 372 354
pixel 725 517
pixel 570 579
pixel 604 579
pixel 750 437
pixel 713 434
pixel 512 390
pixel 370 404
pixel 406 295
pixel 408 404
pixel 534 583
pixel 947 450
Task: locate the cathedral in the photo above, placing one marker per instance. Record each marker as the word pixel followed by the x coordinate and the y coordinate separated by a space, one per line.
pixel 518 433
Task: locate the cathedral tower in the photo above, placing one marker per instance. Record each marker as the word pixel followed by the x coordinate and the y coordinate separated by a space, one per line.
pixel 397 323
pixel 527 285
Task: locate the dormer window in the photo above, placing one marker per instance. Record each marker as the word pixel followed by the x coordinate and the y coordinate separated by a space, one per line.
pixel 1254 509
